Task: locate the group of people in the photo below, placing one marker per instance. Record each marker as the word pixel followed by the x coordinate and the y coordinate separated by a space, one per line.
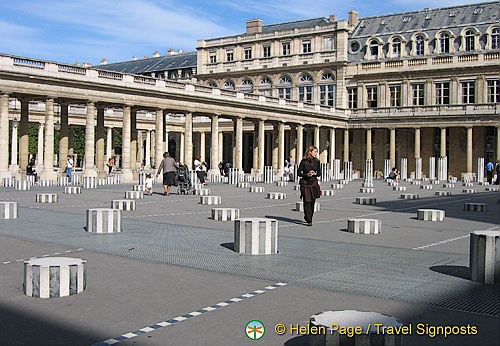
pixel 491 169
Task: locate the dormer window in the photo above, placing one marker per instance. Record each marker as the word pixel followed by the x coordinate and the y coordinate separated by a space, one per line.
pixel 444 43
pixel 495 39
pixel 406 19
pixel 374 49
pixel 419 45
pixel 396 48
pixel 469 41
pixel 478 10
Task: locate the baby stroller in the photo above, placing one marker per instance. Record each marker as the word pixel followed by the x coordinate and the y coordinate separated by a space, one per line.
pixel 184 180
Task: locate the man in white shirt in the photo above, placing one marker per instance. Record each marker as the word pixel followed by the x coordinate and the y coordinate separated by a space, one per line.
pixel 69 167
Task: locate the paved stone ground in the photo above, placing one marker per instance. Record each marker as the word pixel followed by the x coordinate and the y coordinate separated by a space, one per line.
pixel 171 259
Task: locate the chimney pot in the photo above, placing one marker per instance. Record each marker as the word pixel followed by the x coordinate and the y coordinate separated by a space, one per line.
pixel 333 18
pixel 353 18
pixel 254 26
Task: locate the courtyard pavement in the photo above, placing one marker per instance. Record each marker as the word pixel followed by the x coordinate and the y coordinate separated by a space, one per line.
pixel 172 278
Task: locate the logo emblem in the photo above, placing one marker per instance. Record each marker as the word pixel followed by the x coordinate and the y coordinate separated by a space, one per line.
pixel 255 330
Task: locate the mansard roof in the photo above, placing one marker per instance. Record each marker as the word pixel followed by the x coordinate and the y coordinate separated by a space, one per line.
pixel 162 63
pixel 428 19
pixel 296 24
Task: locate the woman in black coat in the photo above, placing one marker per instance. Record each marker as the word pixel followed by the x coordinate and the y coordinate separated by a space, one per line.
pixel 309 171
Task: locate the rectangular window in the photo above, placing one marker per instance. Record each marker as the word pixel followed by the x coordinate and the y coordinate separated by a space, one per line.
pixel 229 55
pixel 494 91
pixel 396 49
pixel 468 92
pixel 306 93
pixel 285 93
pixel 353 97
pixel 371 98
pixel 248 53
pixel 327 43
pixel 442 93
pixel 395 95
pixel 286 48
pixel 213 58
pixel 326 96
pixel 267 51
pixel 306 46
pixel 418 94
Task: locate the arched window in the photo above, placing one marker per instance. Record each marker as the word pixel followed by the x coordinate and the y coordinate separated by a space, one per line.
pixel 247 86
pixel 285 88
pixel 419 45
pixel 306 79
pixel 444 43
pixel 265 86
pixel 229 85
pixel 326 77
pixel 469 41
pixel 285 80
pixel 306 88
pixel 374 46
pixel 327 90
pixel 396 47
pixel 212 84
pixel 495 40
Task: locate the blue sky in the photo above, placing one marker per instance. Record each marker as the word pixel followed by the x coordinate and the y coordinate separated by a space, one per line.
pixel 69 30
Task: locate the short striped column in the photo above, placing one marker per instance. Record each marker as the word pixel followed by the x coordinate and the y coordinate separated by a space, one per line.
pixel 268 175
pixel 282 183
pixel 449 185
pixel 46 197
pixel 202 192
pixel 344 182
pixel 366 200
pixel 475 207
pixel 243 185
pixel 9 182
pixel 367 190
pixel 366 321
pixel 299 206
pixel 452 180
pixel 31 179
pixel 426 187
pixel 256 189
pixel 225 214
pixel 73 190
pixel 409 196
pixel 484 256
pixel 442 193
pixel 139 188
pixel 328 193
pixel 469 191
pixel 392 183
pixel 364 226
pixel 104 220
pixel 468 184
pixel 23 185
pixel 430 214
pixel 76 179
pixel 276 195
pixel 123 204
pixel 491 189
pixel 46 183
pixel 110 180
pixel 198 186
pixel 415 182
pixel 54 277
pixel 434 182
pixel 367 184
pixel 399 188
pixel 296 187
pixel 101 182
pixel 337 186
pixel 89 182
pixel 62 181
pixel 256 236
pixel 134 194
pixel 8 210
pixel 210 200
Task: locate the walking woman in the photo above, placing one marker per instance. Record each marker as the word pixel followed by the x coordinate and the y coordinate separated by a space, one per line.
pixel 169 167
pixel 309 171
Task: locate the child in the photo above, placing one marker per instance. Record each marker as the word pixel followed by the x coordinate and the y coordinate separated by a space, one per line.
pixel 149 184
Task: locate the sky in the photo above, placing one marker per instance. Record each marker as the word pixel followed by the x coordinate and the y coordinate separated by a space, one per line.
pixel 89 30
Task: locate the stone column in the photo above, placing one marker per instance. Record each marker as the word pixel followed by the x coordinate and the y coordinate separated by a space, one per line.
pixel 346 145
pixel 63 140
pixel 368 144
pixel 100 138
pixel 152 148
pixel 159 138
pixel 148 149
pixel 214 145
pixel 417 142
pixel 165 134
pixel 89 169
pixel 202 146
pixel 331 155
pixel 126 167
pixel 316 138
pixel 221 146
pixel 255 148
pixel 14 167
pixel 275 147
pixel 182 151
pixel 71 142
pixel 109 143
pixel 392 150
pixel 39 154
pixel 24 134
pixel 133 140
pixel 281 147
pixel 300 143
pixel 48 159
pixel 443 142
pixel 140 147
pixel 4 136
pixel 188 141
pixel 498 143
pixel 262 145
pixel 293 142
pixel 469 149
pixel 238 143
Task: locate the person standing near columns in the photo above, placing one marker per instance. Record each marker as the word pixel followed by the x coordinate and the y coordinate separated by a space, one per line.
pixel 169 167
pixel 309 171
pixel 69 167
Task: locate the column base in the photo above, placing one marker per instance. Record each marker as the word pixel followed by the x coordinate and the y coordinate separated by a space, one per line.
pixel 5 174
pixel 89 172
pixel 127 175
pixel 48 174
pixel 14 168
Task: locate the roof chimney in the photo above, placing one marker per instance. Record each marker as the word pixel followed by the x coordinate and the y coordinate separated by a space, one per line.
pixel 353 17
pixel 156 54
pixel 333 18
pixel 104 61
pixel 254 25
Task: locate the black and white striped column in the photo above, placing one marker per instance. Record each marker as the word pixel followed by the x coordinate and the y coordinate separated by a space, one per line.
pixel 442 193
pixel 299 206
pixel 89 182
pixel 210 200
pixel 337 186
pixel 480 170
pixel 104 220
pixel 328 193
pixel 268 175
pixel 256 236
pixel 46 198
pixel 443 168
pixel 432 168
pixel 336 169
pixel 409 196
pixel 430 214
pixel 76 179
pixel 8 210
pixel 276 195
pixel 123 204
pixel 348 171
pixel 475 207
pixel 31 179
pixel 233 176
pixel 54 277
pixel 63 181
pixel 469 191
pixel 9 182
pixel 23 185
pixel 484 256
pixel 134 194
pixel 387 168
pixel 404 169
pixel 399 188
pixel 282 183
pixel 139 188
pixel 256 189
pixel 418 169
pixel 225 214
pixel 46 183
pixel 202 192
pixel 73 190
pixel 367 190
pixel 366 200
pixel 426 187
pixel 364 226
